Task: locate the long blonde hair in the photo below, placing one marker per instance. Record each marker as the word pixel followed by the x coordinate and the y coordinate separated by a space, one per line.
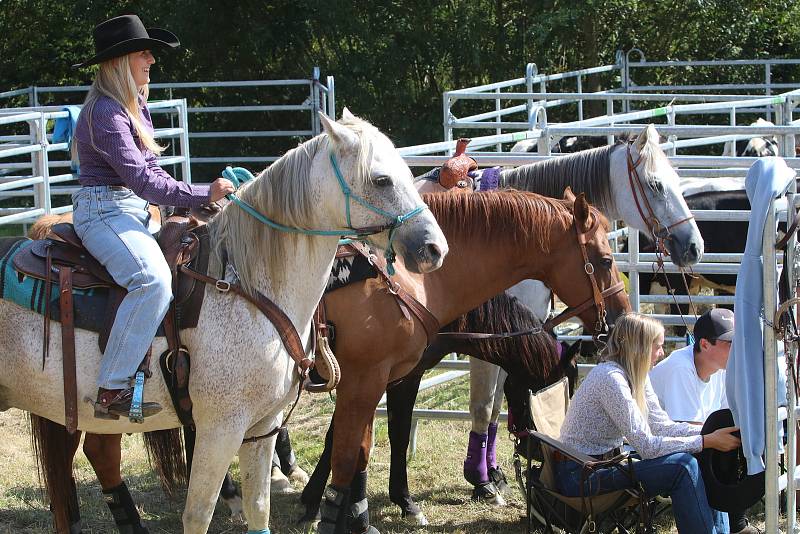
pixel 630 345
pixel 114 80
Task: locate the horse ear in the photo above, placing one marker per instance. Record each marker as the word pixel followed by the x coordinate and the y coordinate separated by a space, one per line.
pixel 341 136
pixel 569 195
pixel 648 134
pixel 346 114
pixel 582 213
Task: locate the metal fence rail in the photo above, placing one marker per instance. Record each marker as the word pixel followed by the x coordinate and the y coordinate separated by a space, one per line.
pixel 47 173
pixel 39 178
pixel 312 95
pixel 707 119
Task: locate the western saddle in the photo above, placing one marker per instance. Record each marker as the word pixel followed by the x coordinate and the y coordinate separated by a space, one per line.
pixel 63 259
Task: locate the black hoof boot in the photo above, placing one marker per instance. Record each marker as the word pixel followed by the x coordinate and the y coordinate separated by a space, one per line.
pixel 284 451
pixel 332 511
pixel 126 516
pixel 358 518
pixel 498 478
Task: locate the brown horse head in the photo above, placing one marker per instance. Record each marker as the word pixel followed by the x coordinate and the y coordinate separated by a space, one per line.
pixel 597 295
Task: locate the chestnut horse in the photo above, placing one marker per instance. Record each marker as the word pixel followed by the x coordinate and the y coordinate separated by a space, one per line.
pixel 518 344
pixel 496 240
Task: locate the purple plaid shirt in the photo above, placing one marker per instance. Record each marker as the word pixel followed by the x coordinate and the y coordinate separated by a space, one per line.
pixel 118 160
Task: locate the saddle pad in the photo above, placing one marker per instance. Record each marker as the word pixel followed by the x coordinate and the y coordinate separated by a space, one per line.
pixel 349 270
pixel 90 304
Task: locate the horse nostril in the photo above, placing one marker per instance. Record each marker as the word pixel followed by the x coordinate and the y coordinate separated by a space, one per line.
pixel 693 253
pixel 433 252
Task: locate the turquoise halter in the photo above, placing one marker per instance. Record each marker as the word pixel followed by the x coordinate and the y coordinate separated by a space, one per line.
pixel 238 176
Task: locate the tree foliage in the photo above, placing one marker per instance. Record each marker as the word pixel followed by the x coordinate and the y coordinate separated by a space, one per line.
pixel 392 59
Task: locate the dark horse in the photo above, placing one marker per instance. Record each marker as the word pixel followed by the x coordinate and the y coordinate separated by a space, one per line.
pixel 531 361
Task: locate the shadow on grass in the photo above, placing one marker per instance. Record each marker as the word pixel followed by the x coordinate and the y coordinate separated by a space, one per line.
pixel 24 511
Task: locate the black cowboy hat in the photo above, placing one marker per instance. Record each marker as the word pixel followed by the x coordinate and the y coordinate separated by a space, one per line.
pixel 125 34
pixel 728 486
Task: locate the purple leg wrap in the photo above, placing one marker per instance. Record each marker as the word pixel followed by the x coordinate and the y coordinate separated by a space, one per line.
pixel 491 446
pixel 475 469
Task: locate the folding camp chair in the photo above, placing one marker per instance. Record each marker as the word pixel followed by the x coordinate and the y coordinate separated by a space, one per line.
pixel 626 510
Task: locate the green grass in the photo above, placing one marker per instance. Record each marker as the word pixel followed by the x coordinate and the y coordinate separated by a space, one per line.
pixel 434 475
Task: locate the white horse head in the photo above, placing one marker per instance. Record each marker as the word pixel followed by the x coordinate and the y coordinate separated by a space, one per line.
pixel 351 179
pixel 647 198
pixel 384 181
pixel 654 204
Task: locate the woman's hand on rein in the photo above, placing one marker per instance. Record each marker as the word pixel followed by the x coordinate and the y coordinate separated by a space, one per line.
pixel 722 439
pixel 219 188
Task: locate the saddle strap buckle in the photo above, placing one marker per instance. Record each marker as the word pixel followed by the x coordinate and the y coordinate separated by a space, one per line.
pixel 135 414
pixel 222 286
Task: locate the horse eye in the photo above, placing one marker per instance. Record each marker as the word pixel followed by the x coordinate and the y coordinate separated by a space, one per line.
pixel 607 262
pixel 382 180
pixel 658 187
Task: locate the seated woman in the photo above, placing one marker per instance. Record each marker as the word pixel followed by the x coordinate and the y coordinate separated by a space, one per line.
pixel 616 401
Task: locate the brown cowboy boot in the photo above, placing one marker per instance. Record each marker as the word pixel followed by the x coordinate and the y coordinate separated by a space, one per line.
pixel 116 403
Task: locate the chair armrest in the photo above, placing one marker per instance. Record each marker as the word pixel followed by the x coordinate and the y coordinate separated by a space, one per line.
pixel 576 456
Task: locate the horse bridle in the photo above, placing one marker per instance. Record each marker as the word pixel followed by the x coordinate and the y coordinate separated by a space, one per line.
pixel 658 231
pixel 598 297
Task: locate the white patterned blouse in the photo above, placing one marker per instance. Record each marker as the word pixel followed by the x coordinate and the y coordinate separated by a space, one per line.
pixel 603 412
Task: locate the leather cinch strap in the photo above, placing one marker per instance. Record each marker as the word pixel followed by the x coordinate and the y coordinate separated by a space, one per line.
pixel 68 349
pixel 286 330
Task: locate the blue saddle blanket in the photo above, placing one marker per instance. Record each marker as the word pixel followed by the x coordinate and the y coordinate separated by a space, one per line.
pixel 89 304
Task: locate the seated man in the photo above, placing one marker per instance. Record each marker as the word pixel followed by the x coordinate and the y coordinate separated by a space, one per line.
pixel 690 382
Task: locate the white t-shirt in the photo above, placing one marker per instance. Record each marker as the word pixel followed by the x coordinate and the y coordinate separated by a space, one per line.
pixel 682 394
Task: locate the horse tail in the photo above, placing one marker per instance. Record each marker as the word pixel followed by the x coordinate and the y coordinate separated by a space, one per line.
pixel 166 455
pixel 54 449
pixel 41 227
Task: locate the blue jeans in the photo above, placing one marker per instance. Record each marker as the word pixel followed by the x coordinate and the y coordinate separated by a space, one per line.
pixel 113 227
pixel 676 475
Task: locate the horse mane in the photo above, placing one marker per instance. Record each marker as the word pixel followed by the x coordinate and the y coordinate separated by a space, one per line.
pixel 515 216
pixel 281 192
pixel 534 356
pixel 585 172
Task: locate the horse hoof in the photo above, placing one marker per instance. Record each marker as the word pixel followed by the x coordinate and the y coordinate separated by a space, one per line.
pixel 418 519
pixel 488 493
pixel 310 518
pixel 234 504
pixel 298 476
pixel 497 476
pixel 279 484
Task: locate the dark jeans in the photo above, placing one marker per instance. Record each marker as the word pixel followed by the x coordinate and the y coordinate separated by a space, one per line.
pixel 676 475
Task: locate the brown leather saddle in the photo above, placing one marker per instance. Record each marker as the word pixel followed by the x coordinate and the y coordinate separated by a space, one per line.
pixel 62 259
